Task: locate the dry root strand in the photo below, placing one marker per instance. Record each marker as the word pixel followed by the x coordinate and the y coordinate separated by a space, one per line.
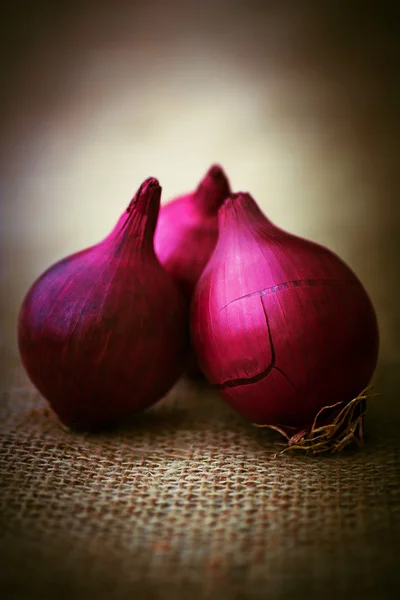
pixel 346 427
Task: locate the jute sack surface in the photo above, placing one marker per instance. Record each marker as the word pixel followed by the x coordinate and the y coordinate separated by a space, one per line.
pixel 189 501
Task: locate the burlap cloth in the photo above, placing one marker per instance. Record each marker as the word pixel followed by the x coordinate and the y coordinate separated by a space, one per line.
pixel 190 502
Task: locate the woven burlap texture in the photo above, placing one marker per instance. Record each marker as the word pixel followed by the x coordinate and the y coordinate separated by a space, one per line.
pixel 189 501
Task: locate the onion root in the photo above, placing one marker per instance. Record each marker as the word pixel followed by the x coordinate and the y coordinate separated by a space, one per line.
pixel 347 427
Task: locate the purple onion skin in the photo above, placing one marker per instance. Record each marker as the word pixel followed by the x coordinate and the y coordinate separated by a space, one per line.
pixel 103 333
pixel 187 230
pixel 281 326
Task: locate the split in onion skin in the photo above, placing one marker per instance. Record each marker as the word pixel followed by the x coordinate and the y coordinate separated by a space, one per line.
pixel 281 326
pixel 103 333
pixel 187 230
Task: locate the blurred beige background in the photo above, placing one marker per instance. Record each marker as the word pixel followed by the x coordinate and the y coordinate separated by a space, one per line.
pixel 299 101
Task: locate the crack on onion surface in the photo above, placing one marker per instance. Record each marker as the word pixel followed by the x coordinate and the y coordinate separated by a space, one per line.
pixel 296 283
pixel 248 380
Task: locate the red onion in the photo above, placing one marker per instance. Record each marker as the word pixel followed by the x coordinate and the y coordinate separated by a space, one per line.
pixel 102 333
pixel 187 229
pixel 283 328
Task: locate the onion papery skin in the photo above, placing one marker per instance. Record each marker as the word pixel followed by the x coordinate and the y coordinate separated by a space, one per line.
pixel 103 333
pixel 281 326
pixel 187 230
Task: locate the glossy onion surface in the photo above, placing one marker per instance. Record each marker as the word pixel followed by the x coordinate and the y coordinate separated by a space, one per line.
pixel 102 333
pixel 281 326
pixel 187 229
